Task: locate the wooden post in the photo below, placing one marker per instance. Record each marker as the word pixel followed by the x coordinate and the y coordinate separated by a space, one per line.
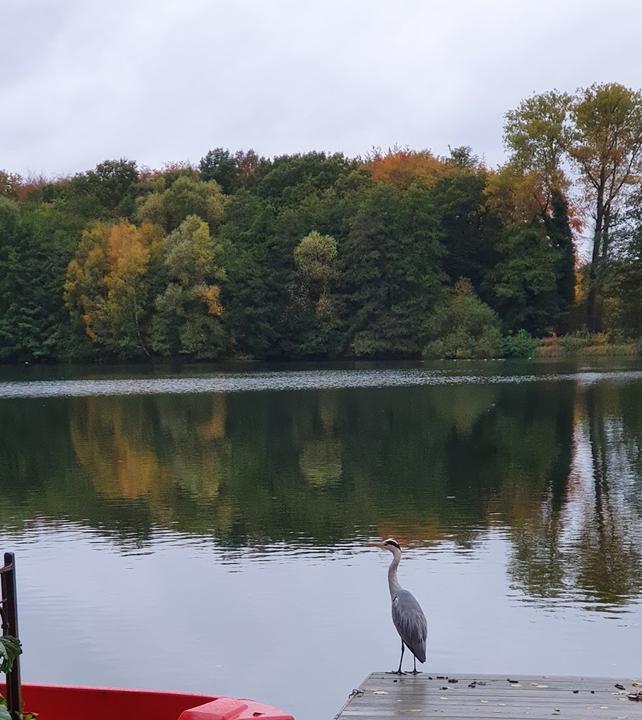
pixel 9 605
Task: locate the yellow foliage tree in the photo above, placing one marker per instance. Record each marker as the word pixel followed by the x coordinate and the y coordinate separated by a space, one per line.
pixel 106 287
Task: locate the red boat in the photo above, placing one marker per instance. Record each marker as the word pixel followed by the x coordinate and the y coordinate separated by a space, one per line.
pixel 59 702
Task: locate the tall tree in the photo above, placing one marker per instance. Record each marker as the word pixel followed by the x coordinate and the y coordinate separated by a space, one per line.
pixel 606 145
pixel 391 270
pixel 538 134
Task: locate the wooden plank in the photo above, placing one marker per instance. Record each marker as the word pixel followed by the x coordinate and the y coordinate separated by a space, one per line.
pixel 463 697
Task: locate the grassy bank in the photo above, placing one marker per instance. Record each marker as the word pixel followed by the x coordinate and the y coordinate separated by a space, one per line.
pixel 587 345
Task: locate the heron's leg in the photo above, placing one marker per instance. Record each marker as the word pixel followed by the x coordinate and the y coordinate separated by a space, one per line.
pixel 401 659
pixel 415 671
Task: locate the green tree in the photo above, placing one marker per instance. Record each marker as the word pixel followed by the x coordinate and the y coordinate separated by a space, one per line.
pixel 250 290
pixel 36 244
pixel 289 179
pixel 391 269
pixel 524 280
pixel 105 192
pixel 463 326
pixel 230 171
pixel 188 310
pixel 186 196
pixel 625 282
pixel 560 233
pixel 220 165
pixel 459 199
pixel 315 260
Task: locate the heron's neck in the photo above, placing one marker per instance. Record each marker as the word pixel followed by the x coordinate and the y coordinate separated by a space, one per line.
pixel 393 583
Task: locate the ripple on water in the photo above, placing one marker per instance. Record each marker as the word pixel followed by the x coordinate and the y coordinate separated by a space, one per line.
pixel 280 381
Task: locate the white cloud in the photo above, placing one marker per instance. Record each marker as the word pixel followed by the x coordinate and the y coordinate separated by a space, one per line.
pixel 168 79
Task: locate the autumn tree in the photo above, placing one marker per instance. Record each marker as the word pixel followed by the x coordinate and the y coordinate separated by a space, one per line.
pixel 188 310
pixel 537 133
pixel 606 146
pixel 402 167
pixel 107 289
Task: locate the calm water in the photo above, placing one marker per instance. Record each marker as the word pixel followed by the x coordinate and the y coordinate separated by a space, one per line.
pixel 204 530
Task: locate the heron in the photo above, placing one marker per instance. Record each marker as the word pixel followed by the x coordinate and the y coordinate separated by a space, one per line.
pixel 407 615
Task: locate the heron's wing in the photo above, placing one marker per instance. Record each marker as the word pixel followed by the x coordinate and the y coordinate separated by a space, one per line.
pixel 410 622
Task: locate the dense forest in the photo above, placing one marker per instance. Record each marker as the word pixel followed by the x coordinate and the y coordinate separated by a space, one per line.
pixel 397 254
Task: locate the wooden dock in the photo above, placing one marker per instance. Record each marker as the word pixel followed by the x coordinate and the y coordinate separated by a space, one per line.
pixel 387 695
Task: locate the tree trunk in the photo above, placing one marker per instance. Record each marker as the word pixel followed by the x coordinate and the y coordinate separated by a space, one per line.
pixel 592 299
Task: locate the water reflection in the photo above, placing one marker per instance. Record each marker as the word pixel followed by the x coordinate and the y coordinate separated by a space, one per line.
pixel 555 464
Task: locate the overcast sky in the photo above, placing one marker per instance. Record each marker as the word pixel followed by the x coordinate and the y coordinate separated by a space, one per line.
pixel 165 80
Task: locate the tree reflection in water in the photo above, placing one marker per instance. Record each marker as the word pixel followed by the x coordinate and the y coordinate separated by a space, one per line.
pixel 554 466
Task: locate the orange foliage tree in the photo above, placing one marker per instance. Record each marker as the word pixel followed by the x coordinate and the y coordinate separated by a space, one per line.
pixel 402 166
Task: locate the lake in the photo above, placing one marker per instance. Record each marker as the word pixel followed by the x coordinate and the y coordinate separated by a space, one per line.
pixel 204 529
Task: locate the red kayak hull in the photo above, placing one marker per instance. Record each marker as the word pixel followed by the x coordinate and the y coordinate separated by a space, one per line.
pixel 60 702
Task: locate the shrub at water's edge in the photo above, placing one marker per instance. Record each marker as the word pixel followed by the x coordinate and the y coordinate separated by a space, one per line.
pixel 463 326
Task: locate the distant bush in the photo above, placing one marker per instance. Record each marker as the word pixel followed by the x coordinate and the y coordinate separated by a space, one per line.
pixel 520 345
pixel 463 326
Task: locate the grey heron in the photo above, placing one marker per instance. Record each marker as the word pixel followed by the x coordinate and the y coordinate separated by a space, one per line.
pixel 407 615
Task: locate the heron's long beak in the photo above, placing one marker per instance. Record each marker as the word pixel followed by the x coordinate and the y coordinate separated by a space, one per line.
pixel 377 545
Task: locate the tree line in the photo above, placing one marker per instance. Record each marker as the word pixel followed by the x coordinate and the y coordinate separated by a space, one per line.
pixel 315 255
